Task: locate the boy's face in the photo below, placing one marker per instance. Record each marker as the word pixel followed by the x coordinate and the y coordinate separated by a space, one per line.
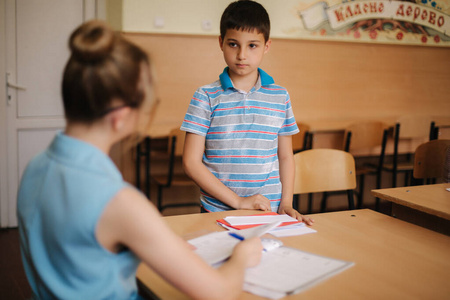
pixel 243 51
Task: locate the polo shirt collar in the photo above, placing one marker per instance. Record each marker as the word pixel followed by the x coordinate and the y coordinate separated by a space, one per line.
pixel 263 79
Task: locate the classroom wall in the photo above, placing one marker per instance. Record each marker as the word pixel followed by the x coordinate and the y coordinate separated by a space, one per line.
pixel 326 80
pixel 188 16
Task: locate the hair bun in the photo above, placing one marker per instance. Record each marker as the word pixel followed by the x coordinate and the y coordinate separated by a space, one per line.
pixel 92 42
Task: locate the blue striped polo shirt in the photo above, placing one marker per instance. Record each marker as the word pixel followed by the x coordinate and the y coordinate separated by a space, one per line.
pixel 241 135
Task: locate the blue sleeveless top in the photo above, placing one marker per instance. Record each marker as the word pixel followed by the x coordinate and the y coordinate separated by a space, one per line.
pixel 62 195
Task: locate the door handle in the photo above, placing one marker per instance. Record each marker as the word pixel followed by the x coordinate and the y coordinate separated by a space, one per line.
pixel 11 85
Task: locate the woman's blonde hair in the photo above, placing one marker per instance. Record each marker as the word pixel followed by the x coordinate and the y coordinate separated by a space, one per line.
pixel 103 66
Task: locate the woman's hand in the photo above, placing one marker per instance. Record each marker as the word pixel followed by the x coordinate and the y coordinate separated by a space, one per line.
pixel 248 252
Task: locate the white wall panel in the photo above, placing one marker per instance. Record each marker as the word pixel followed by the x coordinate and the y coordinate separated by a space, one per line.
pixel 42 52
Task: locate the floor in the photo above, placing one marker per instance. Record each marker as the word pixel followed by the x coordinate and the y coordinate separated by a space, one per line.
pixel 13 282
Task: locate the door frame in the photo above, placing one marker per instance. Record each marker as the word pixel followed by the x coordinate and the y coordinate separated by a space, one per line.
pixel 3 123
pixel 9 160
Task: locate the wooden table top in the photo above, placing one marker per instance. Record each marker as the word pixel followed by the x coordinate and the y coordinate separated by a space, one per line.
pixel 432 199
pixel 393 259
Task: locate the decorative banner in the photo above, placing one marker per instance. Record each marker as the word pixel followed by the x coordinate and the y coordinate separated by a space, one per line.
pixel 379 21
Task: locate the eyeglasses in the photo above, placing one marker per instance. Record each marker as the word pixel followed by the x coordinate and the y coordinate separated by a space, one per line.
pixel 111 109
pixel 154 105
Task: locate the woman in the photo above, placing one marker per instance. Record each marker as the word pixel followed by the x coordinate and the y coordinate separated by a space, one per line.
pixel 83 229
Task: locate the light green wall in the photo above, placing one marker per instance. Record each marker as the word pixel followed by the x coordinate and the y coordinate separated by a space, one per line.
pixel 114 11
pixel 187 16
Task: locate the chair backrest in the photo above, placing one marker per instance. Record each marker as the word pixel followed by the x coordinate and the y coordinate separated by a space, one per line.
pixel 179 136
pixel 447 166
pixel 414 126
pixel 300 140
pixel 364 135
pixel 434 131
pixel 430 159
pixel 324 170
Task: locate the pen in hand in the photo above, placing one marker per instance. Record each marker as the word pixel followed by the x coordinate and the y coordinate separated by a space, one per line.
pixel 240 237
pixel 237 236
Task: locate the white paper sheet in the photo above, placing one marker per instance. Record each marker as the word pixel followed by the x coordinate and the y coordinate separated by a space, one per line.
pixel 291 230
pixel 262 292
pixel 288 270
pixel 217 246
pixel 251 220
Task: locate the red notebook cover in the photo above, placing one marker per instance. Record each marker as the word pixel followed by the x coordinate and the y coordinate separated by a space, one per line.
pixel 239 227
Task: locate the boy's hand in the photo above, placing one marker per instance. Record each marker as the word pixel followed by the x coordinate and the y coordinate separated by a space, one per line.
pixel 295 214
pixel 257 201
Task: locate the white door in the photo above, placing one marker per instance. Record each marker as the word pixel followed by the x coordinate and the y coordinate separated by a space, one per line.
pixel 33 52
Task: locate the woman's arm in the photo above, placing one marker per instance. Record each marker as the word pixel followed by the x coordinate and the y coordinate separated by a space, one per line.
pixel 131 220
pixel 194 148
pixel 287 174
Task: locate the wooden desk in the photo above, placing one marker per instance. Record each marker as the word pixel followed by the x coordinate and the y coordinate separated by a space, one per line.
pixel 433 199
pixel 393 259
pixel 424 205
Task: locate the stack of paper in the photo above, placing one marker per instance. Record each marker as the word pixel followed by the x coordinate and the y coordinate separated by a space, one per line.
pixel 289 226
pixel 285 271
pixel 282 271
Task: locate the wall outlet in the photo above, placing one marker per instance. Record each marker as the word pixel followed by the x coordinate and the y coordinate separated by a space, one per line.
pixel 206 25
pixel 158 22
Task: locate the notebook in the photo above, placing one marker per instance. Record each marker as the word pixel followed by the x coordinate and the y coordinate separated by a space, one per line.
pixel 289 226
pixel 282 271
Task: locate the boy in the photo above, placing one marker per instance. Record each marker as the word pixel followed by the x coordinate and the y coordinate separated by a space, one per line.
pixel 238 146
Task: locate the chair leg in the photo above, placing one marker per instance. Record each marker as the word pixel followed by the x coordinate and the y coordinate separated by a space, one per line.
pixel 378 186
pixel 394 178
pixel 395 157
pixel 138 166
pixel 147 167
pixel 351 204
pixel 296 202
pixel 310 203
pixel 361 190
pixel 433 135
pixel 323 205
pixel 406 178
pixel 160 207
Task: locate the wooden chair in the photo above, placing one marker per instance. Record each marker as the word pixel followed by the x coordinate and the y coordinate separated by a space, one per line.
pixel 143 151
pixel 366 137
pixel 411 127
pixel 175 151
pixel 442 123
pixel 447 166
pixel 430 160
pixel 434 131
pixel 302 140
pixel 325 170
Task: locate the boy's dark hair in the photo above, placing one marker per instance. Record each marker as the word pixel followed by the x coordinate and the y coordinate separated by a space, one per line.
pixel 245 15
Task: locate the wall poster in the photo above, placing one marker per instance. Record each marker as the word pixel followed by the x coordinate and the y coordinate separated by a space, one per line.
pixel 415 22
